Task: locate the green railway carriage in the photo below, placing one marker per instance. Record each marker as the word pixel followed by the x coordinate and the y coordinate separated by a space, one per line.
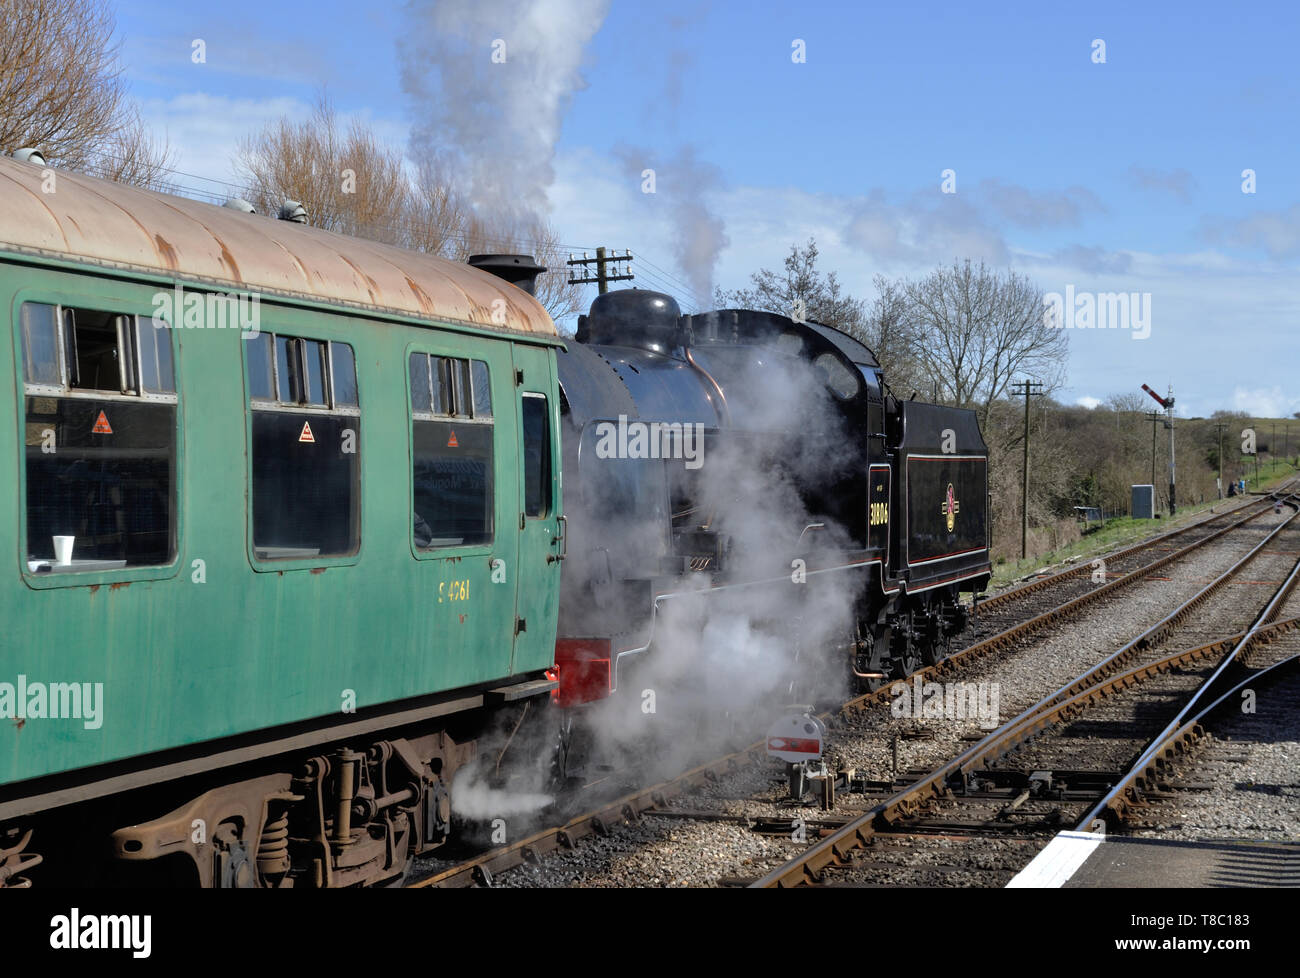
pixel 272 567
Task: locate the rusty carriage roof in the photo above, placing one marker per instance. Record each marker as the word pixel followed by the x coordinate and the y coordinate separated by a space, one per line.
pixel 87 219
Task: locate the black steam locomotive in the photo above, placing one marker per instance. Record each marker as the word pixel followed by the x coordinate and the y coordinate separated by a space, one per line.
pixel 740 459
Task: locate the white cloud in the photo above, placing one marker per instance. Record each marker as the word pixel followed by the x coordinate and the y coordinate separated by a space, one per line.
pixel 1275 232
pixel 1271 402
pixel 1029 209
pixel 1178 182
pixel 1089 402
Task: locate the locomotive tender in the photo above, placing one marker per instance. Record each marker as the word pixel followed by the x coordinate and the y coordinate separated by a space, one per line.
pixel 319 548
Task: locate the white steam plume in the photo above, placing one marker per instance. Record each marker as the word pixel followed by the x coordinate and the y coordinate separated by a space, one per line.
pixel 489 83
pixel 721 665
pixel 701 231
pixel 685 186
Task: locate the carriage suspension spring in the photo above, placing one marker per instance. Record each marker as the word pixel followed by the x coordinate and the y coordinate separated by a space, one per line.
pixel 273 847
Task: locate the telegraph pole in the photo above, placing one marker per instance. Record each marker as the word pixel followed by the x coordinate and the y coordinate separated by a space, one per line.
pixel 1026 390
pixel 602 277
pixel 1168 404
pixel 1220 426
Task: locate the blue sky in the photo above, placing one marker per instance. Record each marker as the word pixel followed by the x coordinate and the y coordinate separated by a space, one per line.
pixel 1123 176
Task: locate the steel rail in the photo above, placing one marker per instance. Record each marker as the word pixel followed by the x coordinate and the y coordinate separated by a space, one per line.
pixel 1011 595
pixel 1153 635
pixel 1112 807
pixel 1159 757
pixel 833 850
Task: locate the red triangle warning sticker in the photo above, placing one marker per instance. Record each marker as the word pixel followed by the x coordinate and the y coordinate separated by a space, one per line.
pixel 102 427
pixel 452 442
pixel 306 434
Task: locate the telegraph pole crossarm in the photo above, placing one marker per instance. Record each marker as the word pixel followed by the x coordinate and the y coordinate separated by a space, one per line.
pixel 602 278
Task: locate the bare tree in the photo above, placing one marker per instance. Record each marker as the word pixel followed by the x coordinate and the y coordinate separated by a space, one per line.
pixel 132 155
pixel 348 181
pixel 801 289
pixel 1129 402
pixel 975 329
pixel 60 88
pixel 351 182
pixel 440 221
pixel 61 91
pixel 887 331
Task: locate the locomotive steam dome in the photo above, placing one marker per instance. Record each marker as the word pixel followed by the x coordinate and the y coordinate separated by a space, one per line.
pixel 632 318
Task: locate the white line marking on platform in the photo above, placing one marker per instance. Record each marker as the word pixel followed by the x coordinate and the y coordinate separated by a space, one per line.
pixel 1058 862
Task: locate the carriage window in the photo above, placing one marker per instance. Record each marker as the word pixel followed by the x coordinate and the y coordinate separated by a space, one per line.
pixel 459 370
pixel 306 448
pixel 482 389
pixel 261 370
pixel 345 375
pixel 537 456
pixel 452 439
pixel 40 325
pixel 313 384
pixel 100 440
pixel 421 399
pixel 153 352
pixel 286 378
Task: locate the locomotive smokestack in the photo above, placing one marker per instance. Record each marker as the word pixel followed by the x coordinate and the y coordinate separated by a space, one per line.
pixel 520 270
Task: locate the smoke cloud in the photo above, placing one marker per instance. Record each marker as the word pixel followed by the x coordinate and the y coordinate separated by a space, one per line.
pixel 489 84
pixel 699 230
pixel 684 188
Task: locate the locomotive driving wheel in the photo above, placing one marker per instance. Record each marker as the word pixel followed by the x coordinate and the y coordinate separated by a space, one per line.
pixel 937 649
pixel 905 652
pixel 934 641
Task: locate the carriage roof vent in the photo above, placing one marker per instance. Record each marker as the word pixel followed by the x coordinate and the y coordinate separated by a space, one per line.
pixel 29 154
pixel 292 210
pixel 239 204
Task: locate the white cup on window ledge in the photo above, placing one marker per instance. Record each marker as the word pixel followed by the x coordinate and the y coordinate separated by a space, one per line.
pixel 63 550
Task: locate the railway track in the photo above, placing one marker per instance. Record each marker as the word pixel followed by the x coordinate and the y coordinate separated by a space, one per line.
pixel 1248 665
pixel 1009 607
pixel 1066 762
pixel 1020 607
pixel 1237 777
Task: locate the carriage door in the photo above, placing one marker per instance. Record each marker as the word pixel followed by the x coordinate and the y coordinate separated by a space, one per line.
pixel 541 542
